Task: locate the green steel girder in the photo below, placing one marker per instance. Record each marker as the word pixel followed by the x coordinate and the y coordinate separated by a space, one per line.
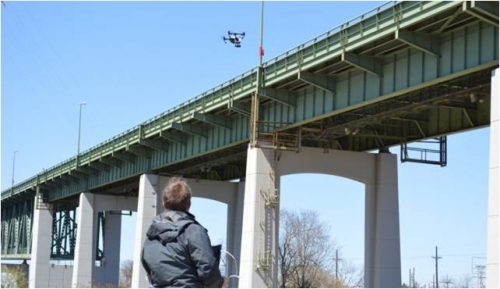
pixel 64 228
pixel 70 178
pixel 112 161
pixel 17 228
pixel 157 144
pixel 279 95
pixel 485 11
pixel 88 170
pixel 80 175
pixel 425 42
pixel 174 137
pixel 241 108
pixel 321 81
pixel 367 63
pixel 53 184
pixel 124 156
pixel 59 180
pixel 139 150
pixel 193 129
pixel 450 19
pixel 216 120
pixel 101 165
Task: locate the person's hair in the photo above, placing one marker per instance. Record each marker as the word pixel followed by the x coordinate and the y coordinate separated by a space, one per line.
pixel 177 195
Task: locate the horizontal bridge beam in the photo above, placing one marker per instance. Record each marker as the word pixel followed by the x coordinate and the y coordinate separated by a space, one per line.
pixel 425 42
pixel 124 156
pixel 241 108
pixel 279 95
pixel 174 137
pixel 369 64
pixel 217 120
pixel 320 81
pixel 193 129
pixel 157 144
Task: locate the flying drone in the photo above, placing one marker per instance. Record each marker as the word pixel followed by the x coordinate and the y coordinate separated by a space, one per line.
pixel 234 37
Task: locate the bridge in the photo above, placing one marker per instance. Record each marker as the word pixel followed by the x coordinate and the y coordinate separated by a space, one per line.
pixel 399 74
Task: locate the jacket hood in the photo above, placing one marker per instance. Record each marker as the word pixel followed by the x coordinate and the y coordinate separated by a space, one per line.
pixel 169 225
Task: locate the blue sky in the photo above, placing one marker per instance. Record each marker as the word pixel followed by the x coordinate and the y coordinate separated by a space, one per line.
pixel 130 61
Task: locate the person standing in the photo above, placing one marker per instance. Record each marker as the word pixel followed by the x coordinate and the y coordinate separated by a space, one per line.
pixel 177 251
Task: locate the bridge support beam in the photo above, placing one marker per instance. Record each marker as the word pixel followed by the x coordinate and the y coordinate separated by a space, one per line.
pixel 83 270
pixel 382 241
pixel 229 193
pixel 492 278
pixel 260 230
pixel 148 206
pixel 39 275
pixel 85 273
pixel 259 240
pixel 109 273
pixel 234 233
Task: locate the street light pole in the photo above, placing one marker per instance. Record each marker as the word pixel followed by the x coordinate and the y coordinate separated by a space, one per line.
pixel 80 127
pixel 254 114
pixel 13 166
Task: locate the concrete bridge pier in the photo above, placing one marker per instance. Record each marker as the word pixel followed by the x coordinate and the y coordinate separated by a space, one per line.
pixel 109 272
pixel 261 216
pixel 85 273
pixel 492 269
pixel 150 204
pixel 259 240
pixel 39 271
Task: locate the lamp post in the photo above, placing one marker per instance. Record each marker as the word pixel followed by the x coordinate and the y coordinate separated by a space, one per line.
pixel 13 166
pixel 80 127
pixel 254 114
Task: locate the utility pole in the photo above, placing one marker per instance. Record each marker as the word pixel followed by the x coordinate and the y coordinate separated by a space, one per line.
pixel 413 277
pixel 480 271
pixel 14 166
pixel 411 281
pixel 337 265
pixel 436 258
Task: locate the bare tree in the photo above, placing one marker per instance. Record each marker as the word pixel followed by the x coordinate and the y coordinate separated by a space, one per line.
pixel 305 250
pixel 14 277
pixel 126 274
pixel 465 281
pixel 447 281
pixel 350 275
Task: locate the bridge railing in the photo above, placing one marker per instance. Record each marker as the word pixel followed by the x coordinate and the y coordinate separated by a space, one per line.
pixel 350 23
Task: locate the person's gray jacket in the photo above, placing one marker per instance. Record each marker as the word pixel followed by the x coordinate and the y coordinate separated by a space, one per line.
pixel 178 253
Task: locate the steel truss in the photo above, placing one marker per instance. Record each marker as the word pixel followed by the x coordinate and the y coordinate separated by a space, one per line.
pixel 17 228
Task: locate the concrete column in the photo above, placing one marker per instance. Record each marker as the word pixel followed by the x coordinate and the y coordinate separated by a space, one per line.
pixel 382 241
pixel 492 269
pixel 111 265
pixel 149 205
pixel 40 251
pixel 258 224
pixel 83 271
pixel 234 226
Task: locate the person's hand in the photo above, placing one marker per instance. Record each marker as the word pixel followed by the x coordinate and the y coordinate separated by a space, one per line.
pixel 225 284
